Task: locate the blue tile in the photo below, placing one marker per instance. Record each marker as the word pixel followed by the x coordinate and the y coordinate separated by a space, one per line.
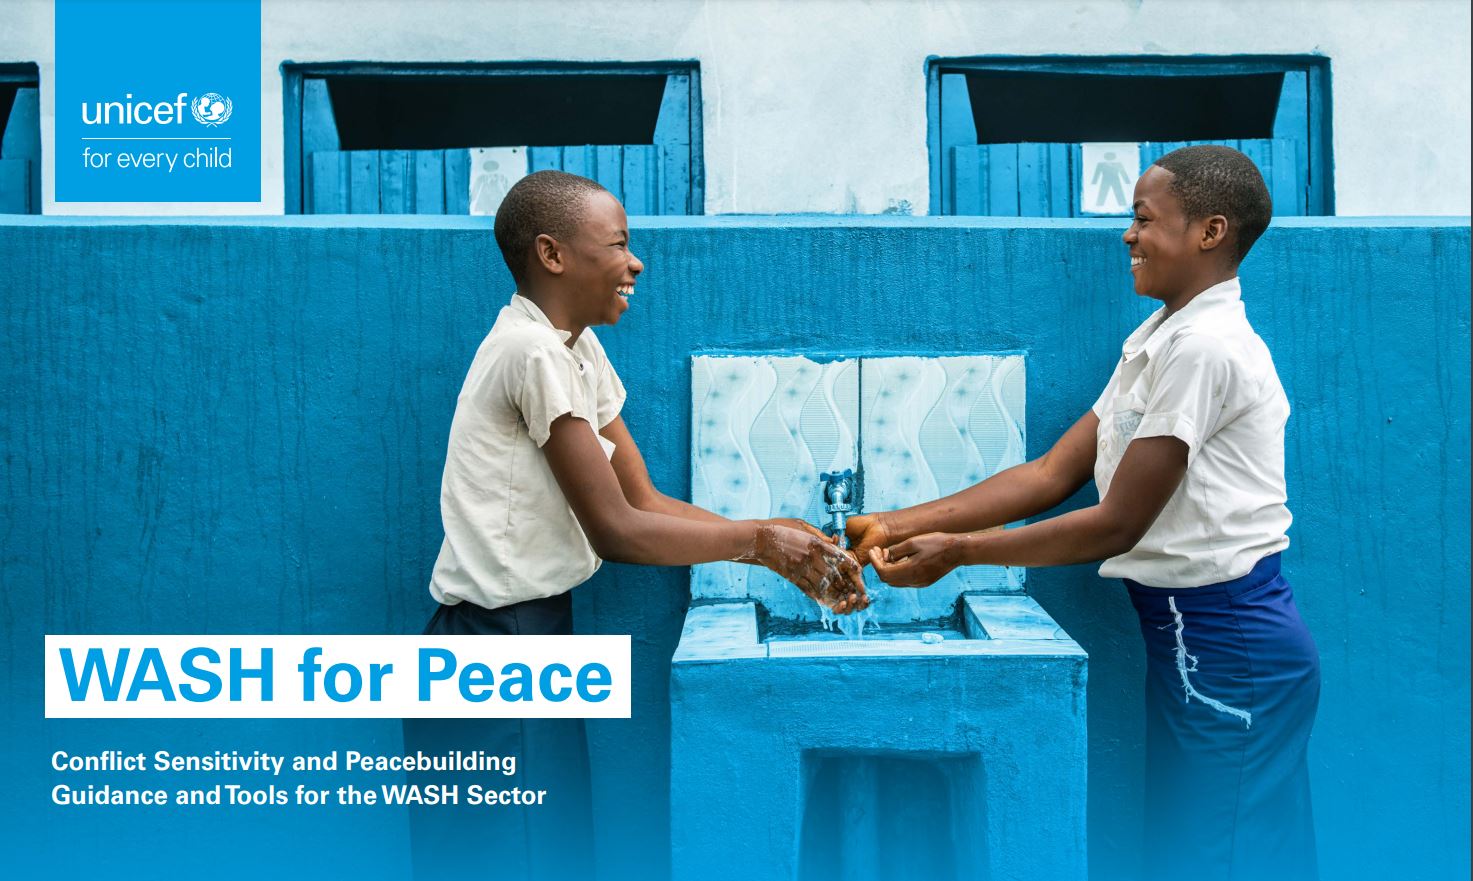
pixel 762 430
pixel 932 427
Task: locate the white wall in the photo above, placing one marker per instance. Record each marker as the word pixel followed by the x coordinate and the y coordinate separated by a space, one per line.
pixel 820 105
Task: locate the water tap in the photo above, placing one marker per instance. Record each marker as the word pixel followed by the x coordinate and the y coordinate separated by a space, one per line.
pixel 839 499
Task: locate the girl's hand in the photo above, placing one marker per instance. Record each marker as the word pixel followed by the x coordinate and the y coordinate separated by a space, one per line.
pixel 917 562
pixel 866 531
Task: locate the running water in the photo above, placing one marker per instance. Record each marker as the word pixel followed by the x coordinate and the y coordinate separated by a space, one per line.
pixel 853 625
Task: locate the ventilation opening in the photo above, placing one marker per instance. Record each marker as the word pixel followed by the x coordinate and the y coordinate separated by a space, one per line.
pixel 1015 107
pixel 438 112
pixel 7 100
pixel 20 140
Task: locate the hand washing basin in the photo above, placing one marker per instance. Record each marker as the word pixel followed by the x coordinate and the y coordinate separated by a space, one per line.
pixel 979 625
pixel 949 741
pixel 893 757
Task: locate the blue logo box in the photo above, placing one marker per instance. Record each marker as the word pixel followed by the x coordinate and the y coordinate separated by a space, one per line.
pixel 158 101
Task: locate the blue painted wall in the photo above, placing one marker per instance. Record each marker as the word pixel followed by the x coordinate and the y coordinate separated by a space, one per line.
pixel 238 426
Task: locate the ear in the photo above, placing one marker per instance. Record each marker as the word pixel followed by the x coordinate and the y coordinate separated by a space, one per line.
pixel 1214 232
pixel 549 254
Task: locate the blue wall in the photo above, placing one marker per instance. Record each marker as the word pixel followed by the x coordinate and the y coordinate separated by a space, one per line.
pixel 238 426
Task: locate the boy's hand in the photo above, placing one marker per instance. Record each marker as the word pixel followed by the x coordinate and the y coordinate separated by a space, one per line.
pixel 916 562
pixel 866 531
pixel 802 525
pixel 826 574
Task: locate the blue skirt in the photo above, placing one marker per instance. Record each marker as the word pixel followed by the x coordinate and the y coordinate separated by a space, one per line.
pixel 1232 686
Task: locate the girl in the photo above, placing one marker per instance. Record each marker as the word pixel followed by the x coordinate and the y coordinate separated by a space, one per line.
pixel 1186 447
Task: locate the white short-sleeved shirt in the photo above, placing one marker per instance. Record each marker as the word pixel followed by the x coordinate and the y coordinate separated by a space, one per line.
pixel 1201 375
pixel 510 535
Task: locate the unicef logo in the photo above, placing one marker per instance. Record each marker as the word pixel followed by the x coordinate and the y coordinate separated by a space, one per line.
pixel 211 108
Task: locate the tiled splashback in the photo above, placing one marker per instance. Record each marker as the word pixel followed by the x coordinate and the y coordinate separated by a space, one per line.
pixel 765 427
pixel 931 427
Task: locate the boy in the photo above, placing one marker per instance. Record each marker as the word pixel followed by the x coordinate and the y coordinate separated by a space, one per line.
pixel 542 482
pixel 1186 446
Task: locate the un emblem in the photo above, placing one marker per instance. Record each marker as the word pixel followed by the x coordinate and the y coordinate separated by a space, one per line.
pixel 211 108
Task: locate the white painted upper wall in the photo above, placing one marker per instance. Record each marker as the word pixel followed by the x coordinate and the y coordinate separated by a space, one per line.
pixel 820 105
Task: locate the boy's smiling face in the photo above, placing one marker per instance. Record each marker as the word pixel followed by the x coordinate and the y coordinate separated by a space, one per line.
pixel 600 269
pixel 1171 256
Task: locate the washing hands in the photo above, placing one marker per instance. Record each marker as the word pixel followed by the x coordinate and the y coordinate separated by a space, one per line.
pixel 802 554
pixel 919 561
pixel 900 560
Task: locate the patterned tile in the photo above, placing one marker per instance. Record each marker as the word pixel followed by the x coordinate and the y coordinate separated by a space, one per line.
pixel 763 429
pixel 931 427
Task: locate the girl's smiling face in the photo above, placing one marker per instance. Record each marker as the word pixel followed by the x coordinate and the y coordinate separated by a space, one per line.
pixel 1171 256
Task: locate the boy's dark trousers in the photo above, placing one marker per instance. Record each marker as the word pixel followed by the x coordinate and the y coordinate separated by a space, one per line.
pixel 462 842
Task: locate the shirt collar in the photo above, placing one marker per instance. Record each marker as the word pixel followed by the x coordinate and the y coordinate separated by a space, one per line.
pixel 1156 330
pixel 524 306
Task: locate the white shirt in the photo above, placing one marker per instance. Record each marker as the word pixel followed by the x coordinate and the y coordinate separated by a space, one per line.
pixel 509 533
pixel 1203 376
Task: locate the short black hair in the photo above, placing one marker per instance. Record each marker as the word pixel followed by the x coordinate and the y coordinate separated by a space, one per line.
pixel 1210 179
pixel 551 202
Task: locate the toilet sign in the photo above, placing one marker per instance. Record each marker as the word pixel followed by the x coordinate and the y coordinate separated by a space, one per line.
pixel 1107 176
pixel 493 171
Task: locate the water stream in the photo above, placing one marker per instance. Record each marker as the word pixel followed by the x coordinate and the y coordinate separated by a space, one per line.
pixel 853 625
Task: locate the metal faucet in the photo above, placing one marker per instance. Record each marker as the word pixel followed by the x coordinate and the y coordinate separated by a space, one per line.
pixel 840 497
